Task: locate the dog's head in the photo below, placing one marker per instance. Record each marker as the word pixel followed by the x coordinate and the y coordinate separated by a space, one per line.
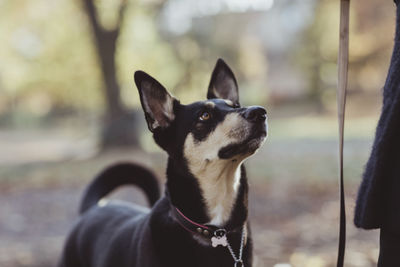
pixel 205 131
pixel 206 140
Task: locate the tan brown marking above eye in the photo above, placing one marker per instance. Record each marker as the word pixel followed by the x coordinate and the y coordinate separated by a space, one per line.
pixel 229 103
pixel 210 104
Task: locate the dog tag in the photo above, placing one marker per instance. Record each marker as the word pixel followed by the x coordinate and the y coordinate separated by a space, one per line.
pixel 216 241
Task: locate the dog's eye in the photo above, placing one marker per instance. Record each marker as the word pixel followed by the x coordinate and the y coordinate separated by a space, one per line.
pixel 205 116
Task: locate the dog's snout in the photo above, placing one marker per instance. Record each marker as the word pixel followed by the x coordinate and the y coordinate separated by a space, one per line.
pixel 255 114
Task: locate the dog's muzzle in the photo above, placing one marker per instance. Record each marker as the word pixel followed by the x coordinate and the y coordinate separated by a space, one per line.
pixel 256 117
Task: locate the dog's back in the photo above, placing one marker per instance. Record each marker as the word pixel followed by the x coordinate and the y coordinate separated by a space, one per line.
pixel 107 229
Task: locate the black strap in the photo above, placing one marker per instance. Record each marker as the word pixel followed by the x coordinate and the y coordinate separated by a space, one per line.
pixel 343 59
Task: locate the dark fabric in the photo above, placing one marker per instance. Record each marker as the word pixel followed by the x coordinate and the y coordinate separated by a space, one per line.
pixel 378 202
pixel 389 249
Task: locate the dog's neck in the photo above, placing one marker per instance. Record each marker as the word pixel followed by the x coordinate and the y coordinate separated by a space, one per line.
pixel 219 183
pixel 213 193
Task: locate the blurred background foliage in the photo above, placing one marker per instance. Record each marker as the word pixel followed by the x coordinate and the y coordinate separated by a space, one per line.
pixel 283 52
pixel 56 111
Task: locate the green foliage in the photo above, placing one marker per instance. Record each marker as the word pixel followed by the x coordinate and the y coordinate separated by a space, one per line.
pixel 371 34
pixel 47 57
pixel 48 61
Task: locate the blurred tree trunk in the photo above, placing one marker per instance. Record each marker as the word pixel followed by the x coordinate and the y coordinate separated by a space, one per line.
pixel 118 127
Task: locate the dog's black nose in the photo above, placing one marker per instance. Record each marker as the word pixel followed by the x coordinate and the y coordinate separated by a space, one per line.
pixel 255 114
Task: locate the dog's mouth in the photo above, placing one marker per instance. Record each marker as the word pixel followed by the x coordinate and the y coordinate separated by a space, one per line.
pixel 248 146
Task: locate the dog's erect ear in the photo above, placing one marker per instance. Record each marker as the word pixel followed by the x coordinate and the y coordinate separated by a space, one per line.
pixel 157 103
pixel 223 83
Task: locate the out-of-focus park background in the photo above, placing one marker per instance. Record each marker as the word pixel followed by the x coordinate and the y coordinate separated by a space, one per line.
pixel 68 108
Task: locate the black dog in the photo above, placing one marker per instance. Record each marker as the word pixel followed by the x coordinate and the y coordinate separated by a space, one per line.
pixel 202 219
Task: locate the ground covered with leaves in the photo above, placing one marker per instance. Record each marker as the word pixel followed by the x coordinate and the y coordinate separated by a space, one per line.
pixel 293 198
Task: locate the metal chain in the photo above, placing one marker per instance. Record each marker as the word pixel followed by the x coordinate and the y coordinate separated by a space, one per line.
pixel 237 260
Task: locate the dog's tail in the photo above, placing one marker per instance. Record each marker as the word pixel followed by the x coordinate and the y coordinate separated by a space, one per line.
pixel 117 175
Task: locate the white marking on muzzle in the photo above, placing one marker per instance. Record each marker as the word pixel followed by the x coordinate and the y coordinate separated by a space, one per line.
pixel 218 178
